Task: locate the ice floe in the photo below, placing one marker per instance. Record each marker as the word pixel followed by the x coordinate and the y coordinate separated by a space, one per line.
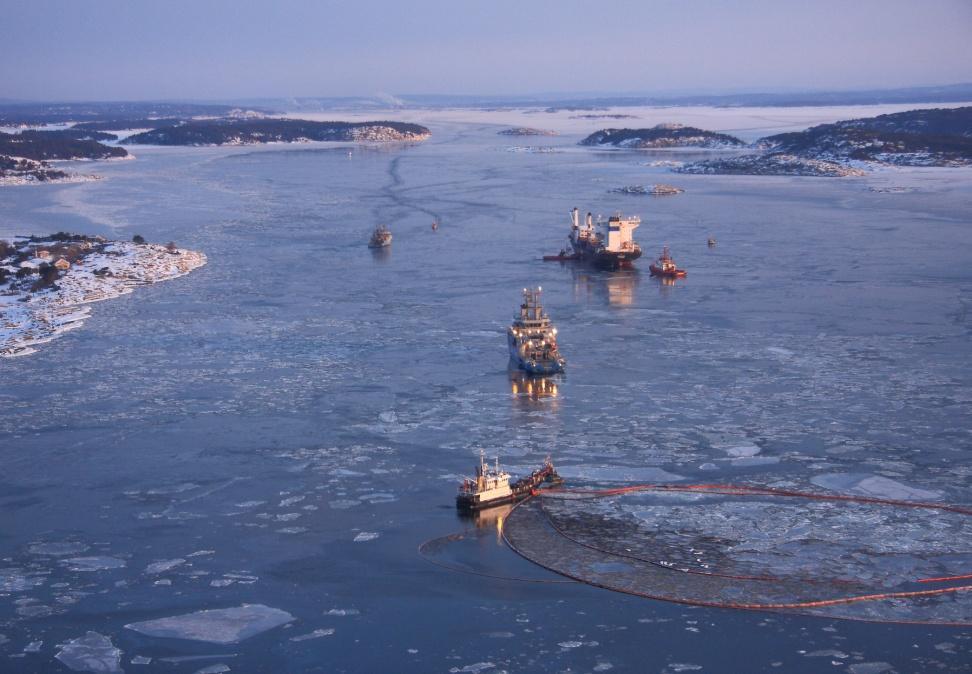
pixel 93 563
pixel 16 580
pixel 163 565
pixel 218 668
pixel 618 473
pixel 342 611
pixel 872 485
pixel 217 626
pixel 742 450
pixel 93 652
pixel 365 536
pixel 472 669
pixel 57 548
pixel 316 634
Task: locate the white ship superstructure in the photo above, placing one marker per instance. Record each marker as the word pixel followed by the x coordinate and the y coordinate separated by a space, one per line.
pixel 612 247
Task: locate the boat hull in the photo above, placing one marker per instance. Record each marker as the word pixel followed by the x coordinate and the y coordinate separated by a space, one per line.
pixel 468 504
pixel 605 259
pixel 532 366
pixel 658 271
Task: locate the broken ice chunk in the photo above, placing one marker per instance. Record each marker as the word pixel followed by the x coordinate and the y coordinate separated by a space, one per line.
pixel 365 536
pixel 873 486
pixel 57 548
pixel 91 653
pixel 218 668
pixel 93 563
pixel 218 626
pixel 163 565
pixel 316 634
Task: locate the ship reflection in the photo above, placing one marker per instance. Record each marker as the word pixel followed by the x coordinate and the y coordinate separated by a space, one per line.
pixel 489 519
pixel 666 283
pixel 382 254
pixel 534 388
pixel 618 287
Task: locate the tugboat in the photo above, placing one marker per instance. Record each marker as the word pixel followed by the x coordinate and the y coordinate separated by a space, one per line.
pixel 615 248
pixel 380 238
pixel 665 266
pixel 492 487
pixel 532 338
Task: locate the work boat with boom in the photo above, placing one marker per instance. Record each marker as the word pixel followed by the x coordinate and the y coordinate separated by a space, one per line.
pixel 492 487
pixel 533 338
pixel 612 248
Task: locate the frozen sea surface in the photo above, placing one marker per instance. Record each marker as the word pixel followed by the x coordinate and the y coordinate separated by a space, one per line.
pixel 221 439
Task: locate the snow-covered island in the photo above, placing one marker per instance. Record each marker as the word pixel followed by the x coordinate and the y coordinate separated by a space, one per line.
pixel 662 136
pixel 771 165
pixel 525 131
pixel 932 137
pixel 47 283
pixel 656 190
pixel 275 130
pixel 25 157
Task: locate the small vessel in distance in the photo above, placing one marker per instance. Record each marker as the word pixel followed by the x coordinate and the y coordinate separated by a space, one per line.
pixel 380 238
pixel 492 486
pixel 615 248
pixel 665 266
pixel 435 225
pixel 532 338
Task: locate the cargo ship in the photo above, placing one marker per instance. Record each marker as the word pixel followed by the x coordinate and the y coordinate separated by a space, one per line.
pixel 665 266
pixel 380 238
pixel 532 338
pixel 612 248
pixel 492 486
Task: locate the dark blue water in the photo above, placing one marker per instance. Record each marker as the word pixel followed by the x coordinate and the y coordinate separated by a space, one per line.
pixel 300 391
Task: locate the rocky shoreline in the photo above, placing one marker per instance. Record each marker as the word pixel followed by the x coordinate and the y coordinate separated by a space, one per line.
pixel 23 171
pixel 46 284
pixel 275 130
pixel 771 165
pixel 525 131
pixel 656 190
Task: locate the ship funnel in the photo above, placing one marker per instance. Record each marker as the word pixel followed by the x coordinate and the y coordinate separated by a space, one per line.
pixel 589 219
pixel 575 218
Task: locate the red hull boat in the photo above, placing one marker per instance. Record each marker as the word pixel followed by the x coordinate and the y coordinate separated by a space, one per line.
pixel 665 266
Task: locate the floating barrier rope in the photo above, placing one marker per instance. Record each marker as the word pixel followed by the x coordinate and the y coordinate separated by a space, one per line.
pixel 772 584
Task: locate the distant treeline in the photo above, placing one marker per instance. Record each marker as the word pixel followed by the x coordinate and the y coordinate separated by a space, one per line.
pixel 34 114
pixel 944 132
pixel 266 130
pixel 68 144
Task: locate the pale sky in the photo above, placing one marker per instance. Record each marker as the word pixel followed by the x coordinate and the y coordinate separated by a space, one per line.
pixel 223 49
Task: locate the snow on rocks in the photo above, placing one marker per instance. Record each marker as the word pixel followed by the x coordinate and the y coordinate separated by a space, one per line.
pixel 217 626
pixel 31 318
pixel 656 189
